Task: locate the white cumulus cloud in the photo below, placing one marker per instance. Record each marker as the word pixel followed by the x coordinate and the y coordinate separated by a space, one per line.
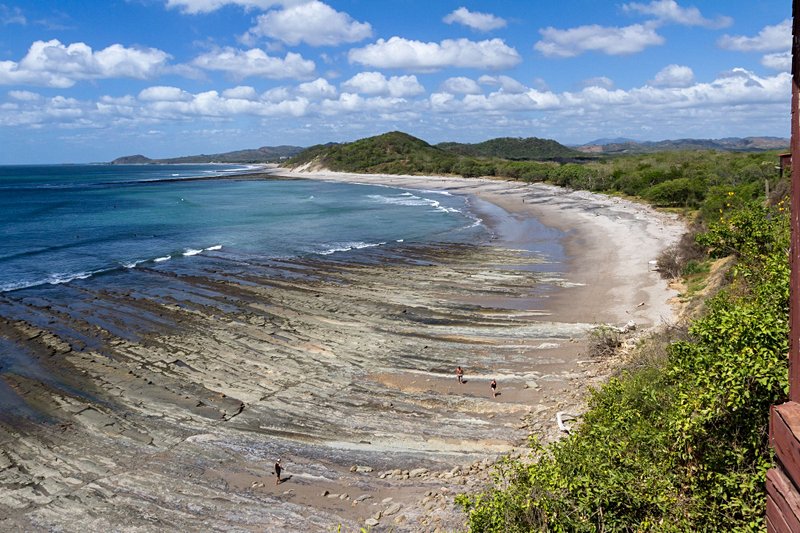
pixel 506 83
pixel 210 104
pixel 276 94
pixel 670 11
pixel 733 92
pixel 314 23
pixel 598 81
pixel 397 52
pixel 595 38
pixel 475 20
pixel 530 100
pixel 377 83
pixel 318 88
pixel 164 94
pixel 674 76
pixel 737 98
pixel 355 103
pixel 24 96
pixel 241 92
pixel 460 85
pixel 778 61
pixel 769 39
pixel 255 62
pixel 53 64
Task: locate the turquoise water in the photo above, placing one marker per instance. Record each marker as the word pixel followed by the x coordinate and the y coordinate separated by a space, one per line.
pixel 64 222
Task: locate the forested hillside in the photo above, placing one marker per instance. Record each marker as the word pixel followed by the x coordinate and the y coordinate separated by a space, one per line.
pixel 528 149
pixel 391 153
pixel 697 179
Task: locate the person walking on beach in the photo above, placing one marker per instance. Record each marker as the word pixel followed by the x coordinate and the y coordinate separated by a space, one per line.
pixel 460 375
pixel 278 472
pixel 493 386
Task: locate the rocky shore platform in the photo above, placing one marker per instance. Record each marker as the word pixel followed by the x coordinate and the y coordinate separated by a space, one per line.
pixel 159 399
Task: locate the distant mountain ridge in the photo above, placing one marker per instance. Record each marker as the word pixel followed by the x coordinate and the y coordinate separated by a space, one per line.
pixel 729 144
pixel 396 151
pixel 265 154
pixel 610 140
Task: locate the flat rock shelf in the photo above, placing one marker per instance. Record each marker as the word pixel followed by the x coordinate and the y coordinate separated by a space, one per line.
pixel 153 399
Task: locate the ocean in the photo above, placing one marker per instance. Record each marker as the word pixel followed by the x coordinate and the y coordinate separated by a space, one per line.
pixel 65 222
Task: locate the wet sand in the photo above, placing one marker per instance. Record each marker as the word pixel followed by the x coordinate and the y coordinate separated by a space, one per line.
pixel 156 399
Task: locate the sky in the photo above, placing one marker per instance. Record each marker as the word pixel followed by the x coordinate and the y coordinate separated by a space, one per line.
pixel 89 80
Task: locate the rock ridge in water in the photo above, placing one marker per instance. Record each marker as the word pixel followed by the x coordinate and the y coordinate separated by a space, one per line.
pixel 153 400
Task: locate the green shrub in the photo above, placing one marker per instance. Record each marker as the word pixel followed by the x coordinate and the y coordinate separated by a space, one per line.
pixel 681 192
pixel 679 444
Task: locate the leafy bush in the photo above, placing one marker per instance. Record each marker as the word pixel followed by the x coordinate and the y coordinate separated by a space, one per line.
pixel 753 232
pixel 680 443
pixel 680 192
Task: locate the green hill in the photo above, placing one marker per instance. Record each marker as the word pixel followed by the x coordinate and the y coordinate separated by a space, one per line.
pixel 391 153
pixel 513 148
pixel 137 159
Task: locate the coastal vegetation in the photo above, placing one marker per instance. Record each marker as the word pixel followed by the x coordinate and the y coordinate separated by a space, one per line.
pixel 391 153
pixel 677 439
pixel 530 148
pixel 692 179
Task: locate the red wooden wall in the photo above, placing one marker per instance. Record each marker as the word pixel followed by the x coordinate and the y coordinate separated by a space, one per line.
pixel 783 495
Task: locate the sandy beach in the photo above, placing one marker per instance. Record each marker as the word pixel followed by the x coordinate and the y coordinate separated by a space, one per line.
pixel 611 242
pixel 164 405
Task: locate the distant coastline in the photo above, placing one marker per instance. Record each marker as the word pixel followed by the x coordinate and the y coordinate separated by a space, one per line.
pixel 509 148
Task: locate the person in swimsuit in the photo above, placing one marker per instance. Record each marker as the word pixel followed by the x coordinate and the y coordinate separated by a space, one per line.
pixel 493 386
pixel 278 472
pixel 460 375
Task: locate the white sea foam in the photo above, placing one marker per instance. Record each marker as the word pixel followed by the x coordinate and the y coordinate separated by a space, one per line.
pixel 18 285
pixel 477 221
pixel 132 264
pixel 347 246
pixel 53 279
pixel 191 251
pixel 242 168
pixel 410 199
pixel 213 248
pixel 402 199
pixel 432 191
pixel 59 278
pixel 162 259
